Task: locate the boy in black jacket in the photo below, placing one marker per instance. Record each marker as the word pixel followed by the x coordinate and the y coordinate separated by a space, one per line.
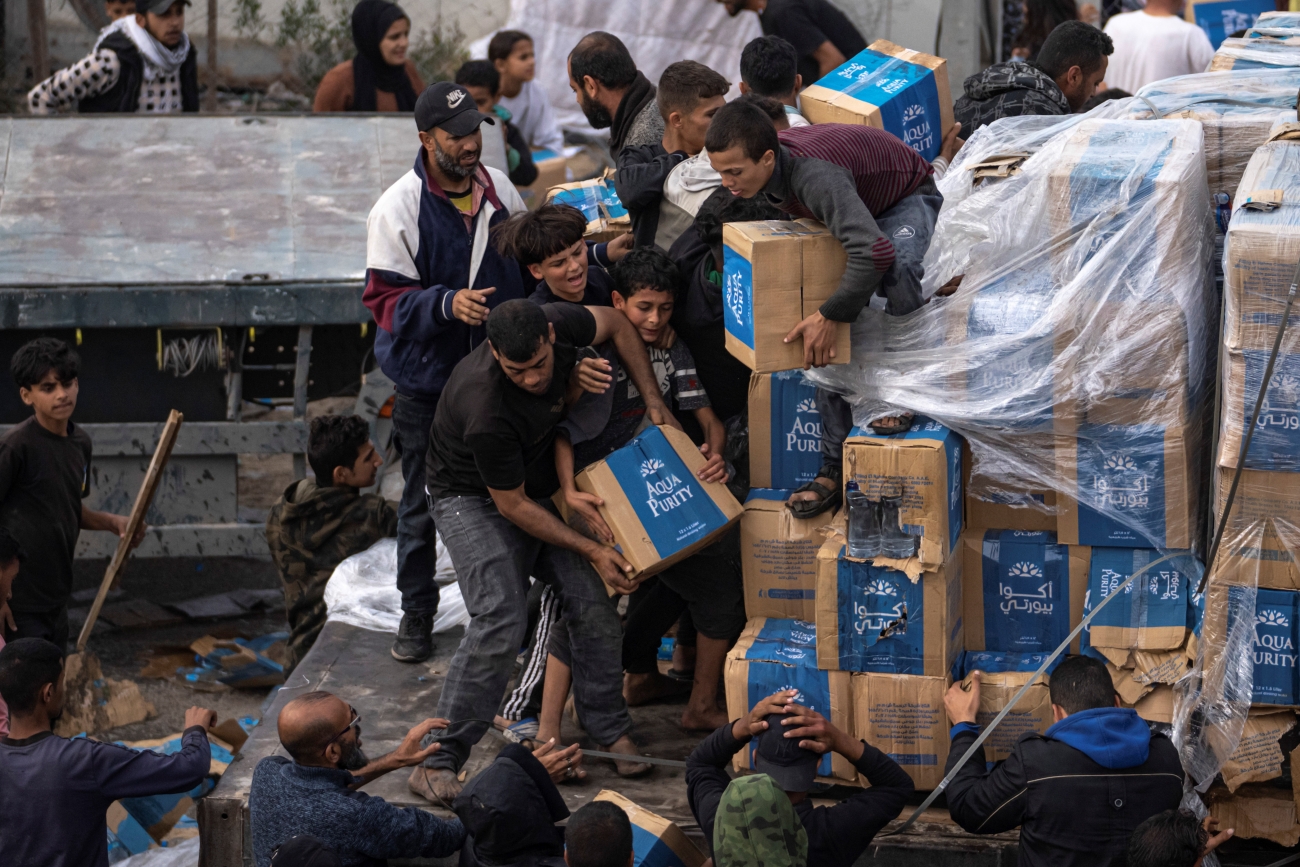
pixel 791 741
pixel 1078 791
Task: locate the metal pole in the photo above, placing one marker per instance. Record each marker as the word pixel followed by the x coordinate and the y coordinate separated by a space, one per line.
pixel 300 382
pixel 210 99
pixel 38 35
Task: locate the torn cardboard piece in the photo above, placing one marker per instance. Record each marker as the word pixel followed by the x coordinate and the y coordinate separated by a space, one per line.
pixel 243 663
pixel 94 703
pixel 1258 756
pixel 1256 812
pixel 656 842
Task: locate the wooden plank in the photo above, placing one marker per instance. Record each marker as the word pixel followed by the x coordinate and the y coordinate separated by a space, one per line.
pixel 112 575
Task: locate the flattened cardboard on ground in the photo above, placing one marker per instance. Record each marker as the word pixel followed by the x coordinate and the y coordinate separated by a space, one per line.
pixel 93 703
pixel 889 87
pixel 924 467
pixel 656 842
pixel 1256 812
pixel 126 836
pixel 775 274
pixel 778 556
pixel 773 654
pixel 655 504
pixel 1258 756
pixel 1033 713
pixel 1013 586
pixel 902 715
pixel 875 618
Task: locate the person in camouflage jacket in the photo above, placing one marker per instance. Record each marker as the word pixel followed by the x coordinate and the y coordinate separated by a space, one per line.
pixel 315 526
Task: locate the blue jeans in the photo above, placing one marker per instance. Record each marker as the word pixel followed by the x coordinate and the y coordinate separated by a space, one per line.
pixel 417 559
pixel 909 226
pixel 493 560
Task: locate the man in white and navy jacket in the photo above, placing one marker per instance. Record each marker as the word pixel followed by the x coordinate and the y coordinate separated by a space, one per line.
pixel 431 278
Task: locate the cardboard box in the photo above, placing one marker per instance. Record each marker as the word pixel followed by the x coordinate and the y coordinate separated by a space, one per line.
pixel 775 654
pixel 1258 757
pixel 1274 649
pixel 785 430
pixel 1033 713
pixel 658 509
pixel 778 556
pixel 902 715
pixel 1256 53
pixel 126 836
pixel 1129 486
pixel 1022 592
pixel 989 505
pixel 596 198
pixel 1151 613
pixel 656 842
pixel 888 87
pixel 924 466
pixel 1263 530
pixel 776 274
pixel 875 618
pixel 552 171
pixel 1157 706
pixel 1256 812
pixel 1276 443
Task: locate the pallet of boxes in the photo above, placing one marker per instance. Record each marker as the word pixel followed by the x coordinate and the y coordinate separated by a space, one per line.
pixel 1263 531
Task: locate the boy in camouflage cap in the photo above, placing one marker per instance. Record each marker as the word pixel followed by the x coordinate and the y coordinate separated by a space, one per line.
pixel 756 826
pixel 318 524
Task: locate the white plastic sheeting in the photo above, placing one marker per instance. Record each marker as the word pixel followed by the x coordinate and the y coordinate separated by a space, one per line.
pixel 183 854
pixel 363 591
pixel 656 34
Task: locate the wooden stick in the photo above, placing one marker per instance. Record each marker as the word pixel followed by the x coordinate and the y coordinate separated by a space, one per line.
pixel 142 501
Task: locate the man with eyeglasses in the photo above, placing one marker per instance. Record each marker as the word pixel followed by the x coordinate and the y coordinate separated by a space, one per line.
pixel 314 794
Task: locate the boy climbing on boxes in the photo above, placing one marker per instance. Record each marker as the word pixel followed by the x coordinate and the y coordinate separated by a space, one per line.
pixel 44 479
pixel 316 525
pixel 646 284
pixel 878 198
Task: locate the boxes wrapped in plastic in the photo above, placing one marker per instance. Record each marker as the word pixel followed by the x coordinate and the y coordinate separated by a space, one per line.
pixel 1274 20
pixel 1256 53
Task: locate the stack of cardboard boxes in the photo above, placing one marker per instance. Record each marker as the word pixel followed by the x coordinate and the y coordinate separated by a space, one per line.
pixel 1263 530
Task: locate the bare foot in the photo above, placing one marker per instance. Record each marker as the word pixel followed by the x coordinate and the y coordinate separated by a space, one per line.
pixel 639 689
pixel 809 496
pixel 437 785
pixel 709 719
pixel 624 746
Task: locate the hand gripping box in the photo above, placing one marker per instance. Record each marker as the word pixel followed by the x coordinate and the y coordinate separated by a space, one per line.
pixel 778 556
pixel 775 274
pixel 785 430
pixel 1022 591
pixel 1002 675
pixel 656 842
pixel 889 87
pixel 924 466
pixel 599 203
pixel 658 509
pixel 1151 613
pixel 902 715
pixel 874 618
pixel 775 654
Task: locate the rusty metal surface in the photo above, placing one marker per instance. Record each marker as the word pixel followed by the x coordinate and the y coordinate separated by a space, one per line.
pixel 205 202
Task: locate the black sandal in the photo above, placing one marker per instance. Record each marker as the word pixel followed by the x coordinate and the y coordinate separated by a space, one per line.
pixel 827 498
pixel 903 425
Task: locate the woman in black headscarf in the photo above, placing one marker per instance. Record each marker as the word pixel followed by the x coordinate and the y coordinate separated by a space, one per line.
pixel 380 77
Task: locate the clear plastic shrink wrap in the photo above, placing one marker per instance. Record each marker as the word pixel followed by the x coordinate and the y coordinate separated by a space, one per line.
pixel 1257 53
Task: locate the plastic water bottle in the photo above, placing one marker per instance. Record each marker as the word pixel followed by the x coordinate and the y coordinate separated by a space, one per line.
pixel 895 541
pixel 864 524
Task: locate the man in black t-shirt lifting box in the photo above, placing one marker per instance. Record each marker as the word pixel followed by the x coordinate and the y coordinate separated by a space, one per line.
pixel 490 477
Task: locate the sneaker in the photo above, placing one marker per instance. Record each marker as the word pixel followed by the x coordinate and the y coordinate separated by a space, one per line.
pixel 414 638
pixel 521 730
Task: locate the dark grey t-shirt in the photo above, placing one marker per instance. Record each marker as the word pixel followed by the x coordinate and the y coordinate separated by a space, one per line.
pixel 806 24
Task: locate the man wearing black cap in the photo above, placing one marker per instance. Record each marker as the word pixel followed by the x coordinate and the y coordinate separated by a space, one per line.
pixel 431 279
pixel 142 63
pixel 791 743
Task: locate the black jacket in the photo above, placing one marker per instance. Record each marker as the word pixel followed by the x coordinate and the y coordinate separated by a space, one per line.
pixel 1071 810
pixel 509 812
pixel 837 835
pixel 639 182
pixel 1007 90
pixel 124 96
pixel 526 172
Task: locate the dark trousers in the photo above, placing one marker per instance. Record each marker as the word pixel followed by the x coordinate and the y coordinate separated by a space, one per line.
pixel 50 625
pixel 417 559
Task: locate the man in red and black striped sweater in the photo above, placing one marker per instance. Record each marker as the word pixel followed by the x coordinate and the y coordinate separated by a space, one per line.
pixel 876 195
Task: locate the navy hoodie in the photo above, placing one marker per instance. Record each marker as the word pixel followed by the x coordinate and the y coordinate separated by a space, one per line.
pixel 1076 792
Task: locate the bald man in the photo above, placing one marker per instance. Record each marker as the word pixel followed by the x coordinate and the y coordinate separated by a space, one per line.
pixel 314 794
